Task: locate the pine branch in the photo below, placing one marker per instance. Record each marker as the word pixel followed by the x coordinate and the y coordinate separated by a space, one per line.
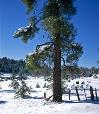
pixel 63 61
pixel 47 43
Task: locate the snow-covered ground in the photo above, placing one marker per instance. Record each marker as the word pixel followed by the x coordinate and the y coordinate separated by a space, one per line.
pixel 37 105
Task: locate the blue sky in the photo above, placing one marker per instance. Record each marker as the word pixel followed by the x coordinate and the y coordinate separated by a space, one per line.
pixel 13 15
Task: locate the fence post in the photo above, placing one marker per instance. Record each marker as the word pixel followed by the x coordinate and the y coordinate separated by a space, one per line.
pixel 77 93
pixel 69 93
pixel 85 94
pixel 91 93
pixel 96 94
pixel 45 95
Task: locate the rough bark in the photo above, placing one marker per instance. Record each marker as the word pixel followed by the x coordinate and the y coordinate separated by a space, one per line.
pixel 57 93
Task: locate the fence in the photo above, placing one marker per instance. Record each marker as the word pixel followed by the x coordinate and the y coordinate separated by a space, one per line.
pixel 92 92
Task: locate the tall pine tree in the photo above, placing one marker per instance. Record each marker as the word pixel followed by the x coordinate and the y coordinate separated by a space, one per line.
pixel 61 49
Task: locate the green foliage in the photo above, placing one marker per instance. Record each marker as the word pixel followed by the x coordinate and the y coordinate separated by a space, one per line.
pixel 32 62
pixel 11 66
pixel 30 4
pixel 28 32
pixel 38 59
pixel 56 20
pixel 56 24
pixel 66 8
pixel 23 90
pixel 72 52
pixel 20 87
pixel 14 84
pixel 22 74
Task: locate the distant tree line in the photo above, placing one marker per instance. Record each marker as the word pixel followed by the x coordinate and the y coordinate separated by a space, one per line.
pixel 10 65
pixel 75 72
pixel 19 67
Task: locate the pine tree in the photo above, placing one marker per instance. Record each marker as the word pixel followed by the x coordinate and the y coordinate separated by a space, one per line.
pixel 23 90
pixel 14 84
pixel 55 18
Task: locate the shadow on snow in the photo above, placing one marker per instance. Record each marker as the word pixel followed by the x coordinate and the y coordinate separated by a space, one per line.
pixel 35 97
pixel 7 91
pixel 3 102
pixel 84 101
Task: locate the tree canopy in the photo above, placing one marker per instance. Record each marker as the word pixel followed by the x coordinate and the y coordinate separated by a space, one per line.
pixel 61 48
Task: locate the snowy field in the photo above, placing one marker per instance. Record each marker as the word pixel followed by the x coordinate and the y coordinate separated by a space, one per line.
pixel 37 105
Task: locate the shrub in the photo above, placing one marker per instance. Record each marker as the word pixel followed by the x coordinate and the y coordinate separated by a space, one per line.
pixel 14 84
pixel 37 85
pixel 45 85
pixel 23 91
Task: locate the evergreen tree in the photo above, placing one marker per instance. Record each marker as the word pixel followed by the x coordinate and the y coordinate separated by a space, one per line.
pixel 23 90
pixel 14 84
pixel 20 87
pixel 55 18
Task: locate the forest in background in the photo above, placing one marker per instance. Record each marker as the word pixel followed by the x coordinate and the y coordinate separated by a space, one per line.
pixel 19 66
pixel 16 66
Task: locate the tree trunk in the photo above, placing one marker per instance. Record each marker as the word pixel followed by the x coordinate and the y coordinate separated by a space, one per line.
pixel 57 93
